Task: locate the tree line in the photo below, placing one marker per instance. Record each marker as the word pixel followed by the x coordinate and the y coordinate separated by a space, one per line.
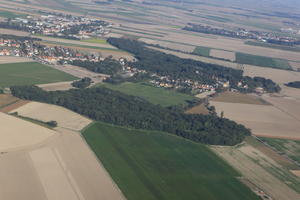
pixel 117 108
pixel 107 66
pixel 295 84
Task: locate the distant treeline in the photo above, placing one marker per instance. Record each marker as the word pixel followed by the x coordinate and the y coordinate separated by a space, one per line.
pixel 178 68
pixel 295 84
pixel 120 109
pixel 19 38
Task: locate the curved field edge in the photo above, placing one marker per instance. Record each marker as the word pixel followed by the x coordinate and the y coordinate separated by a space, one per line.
pixel 154 165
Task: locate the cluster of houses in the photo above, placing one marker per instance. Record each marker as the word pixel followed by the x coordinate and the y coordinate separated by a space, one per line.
pixel 194 86
pixel 244 34
pixel 66 26
pixel 42 53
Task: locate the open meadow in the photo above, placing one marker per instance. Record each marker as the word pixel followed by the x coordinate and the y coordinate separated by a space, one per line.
pixel 30 73
pixel 151 165
pixel 152 94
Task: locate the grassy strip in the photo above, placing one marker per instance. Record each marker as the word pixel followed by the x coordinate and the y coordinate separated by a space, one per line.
pixel 153 165
pixel 8 14
pixel 152 94
pixel 140 32
pixel 263 61
pixel 95 41
pixel 273 46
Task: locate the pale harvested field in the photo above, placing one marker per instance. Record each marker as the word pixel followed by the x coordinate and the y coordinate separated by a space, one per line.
pixel 81 72
pixel 60 86
pixel 293 93
pixel 296 172
pixel 12 59
pixel 254 166
pixel 180 47
pixel 277 75
pixel 295 65
pixel 13 106
pixel 286 104
pixel 222 54
pixel 205 94
pixel 46 112
pixel 236 97
pixel 6 99
pixel 200 109
pixel 63 168
pixel 263 120
pixel 200 58
pixel 13 32
pixel 16 133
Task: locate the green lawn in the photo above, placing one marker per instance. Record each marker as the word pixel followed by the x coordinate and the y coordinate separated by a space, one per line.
pixel 96 41
pixel 30 73
pixel 154 95
pixel 262 61
pixel 202 51
pixel 157 166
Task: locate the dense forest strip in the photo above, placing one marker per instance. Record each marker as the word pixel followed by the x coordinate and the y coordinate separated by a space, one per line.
pixel 117 108
pixel 187 69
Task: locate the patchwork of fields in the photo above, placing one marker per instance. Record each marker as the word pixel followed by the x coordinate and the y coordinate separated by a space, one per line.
pixel 30 73
pixel 151 165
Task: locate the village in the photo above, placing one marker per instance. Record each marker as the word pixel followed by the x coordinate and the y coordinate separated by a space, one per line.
pixel 59 56
pixel 261 36
pixel 63 26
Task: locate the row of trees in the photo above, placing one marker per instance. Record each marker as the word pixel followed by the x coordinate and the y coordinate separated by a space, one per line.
pixel 107 66
pixel 295 84
pixel 117 108
pixel 82 83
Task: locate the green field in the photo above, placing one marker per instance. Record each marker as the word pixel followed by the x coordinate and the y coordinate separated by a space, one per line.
pixel 30 73
pixel 152 94
pixel 262 61
pixel 291 148
pixel 7 14
pixel 95 41
pixel 151 165
pixel 273 46
pixel 202 51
